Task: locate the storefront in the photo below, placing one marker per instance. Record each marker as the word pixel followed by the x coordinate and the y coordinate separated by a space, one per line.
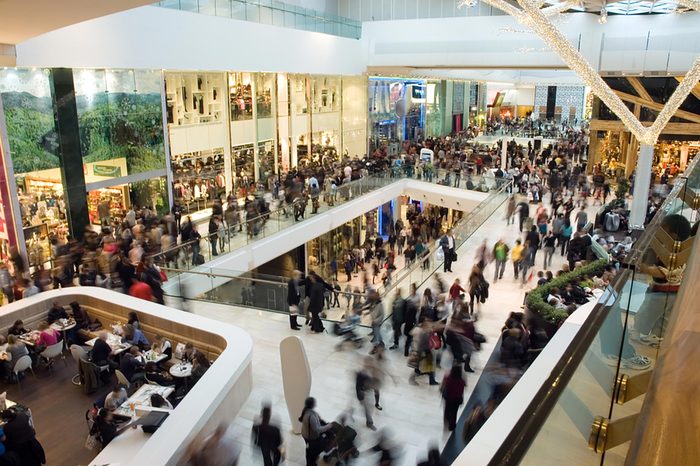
pixel 396 110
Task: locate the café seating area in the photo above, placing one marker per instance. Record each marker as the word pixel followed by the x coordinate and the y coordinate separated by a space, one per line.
pixel 57 376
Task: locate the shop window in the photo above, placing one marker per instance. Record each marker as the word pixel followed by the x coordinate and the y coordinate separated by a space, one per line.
pixel 199 179
pixel 194 98
pixel 263 94
pixel 240 96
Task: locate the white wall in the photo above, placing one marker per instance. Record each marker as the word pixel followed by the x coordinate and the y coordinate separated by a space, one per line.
pixel 152 37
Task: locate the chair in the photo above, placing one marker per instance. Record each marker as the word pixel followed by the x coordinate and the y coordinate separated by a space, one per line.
pixel 79 353
pixel 22 364
pixel 52 352
pixel 122 379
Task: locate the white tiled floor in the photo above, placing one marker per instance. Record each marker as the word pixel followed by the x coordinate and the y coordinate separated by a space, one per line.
pixel 413 414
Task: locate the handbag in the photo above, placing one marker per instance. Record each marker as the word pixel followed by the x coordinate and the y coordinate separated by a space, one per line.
pixel 435 341
pixel 454 256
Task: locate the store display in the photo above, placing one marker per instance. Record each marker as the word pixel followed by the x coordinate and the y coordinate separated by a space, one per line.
pixel 107 204
pixel 198 179
pixel 240 96
pixel 193 98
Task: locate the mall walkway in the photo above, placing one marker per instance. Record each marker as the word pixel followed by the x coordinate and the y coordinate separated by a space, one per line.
pixel 412 414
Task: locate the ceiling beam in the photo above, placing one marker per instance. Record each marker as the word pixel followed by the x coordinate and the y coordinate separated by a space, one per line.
pixel 641 90
pixel 692 117
pixel 689 129
pixel 696 89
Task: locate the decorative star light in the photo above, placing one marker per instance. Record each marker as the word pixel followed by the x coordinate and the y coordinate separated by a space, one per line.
pixel 692 4
pixel 534 17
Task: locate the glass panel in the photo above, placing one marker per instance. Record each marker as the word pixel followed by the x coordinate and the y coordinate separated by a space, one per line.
pixel 240 96
pixel 207 7
pixel 252 13
pixel 120 119
pixel 223 8
pixel 278 18
pixel 265 15
pixel 238 9
pixel 189 5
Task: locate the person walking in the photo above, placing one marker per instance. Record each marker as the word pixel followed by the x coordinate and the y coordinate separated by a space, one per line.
pixel 447 243
pixel 549 243
pixel 312 430
pixel 566 232
pixel 315 302
pixel 476 284
pixel 452 391
pixel 516 255
pixel 213 234
pixel 398 317
pixel 375 308
pixel 412 309
pixel 500 255
pixel 268 438
pixel 294 298
pixel 510 210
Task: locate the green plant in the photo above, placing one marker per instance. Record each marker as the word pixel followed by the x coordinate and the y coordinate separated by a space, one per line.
pixel 536 299
pixel 621 189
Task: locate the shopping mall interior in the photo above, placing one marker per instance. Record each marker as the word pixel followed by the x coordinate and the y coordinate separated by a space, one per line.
pixel 318 232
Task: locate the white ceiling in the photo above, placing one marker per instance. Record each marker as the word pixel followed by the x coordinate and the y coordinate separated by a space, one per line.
pixel 24 19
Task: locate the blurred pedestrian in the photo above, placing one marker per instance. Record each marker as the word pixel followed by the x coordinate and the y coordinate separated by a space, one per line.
pixel 452 390
pixel 268 438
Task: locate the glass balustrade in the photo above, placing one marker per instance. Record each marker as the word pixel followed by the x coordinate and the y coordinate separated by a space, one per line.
pixel 273 13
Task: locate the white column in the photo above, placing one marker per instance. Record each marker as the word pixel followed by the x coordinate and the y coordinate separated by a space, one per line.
pixel 504 153
pixel 642 179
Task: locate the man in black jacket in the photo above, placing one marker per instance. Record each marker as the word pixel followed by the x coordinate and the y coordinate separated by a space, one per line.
pixel 293 299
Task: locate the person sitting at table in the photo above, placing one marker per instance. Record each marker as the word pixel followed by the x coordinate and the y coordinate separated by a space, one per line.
pixel 134 320
pixel 56 312
pixel 20 438
pixel 157 401
pixel 15 349
pixel 47 337
pixel 104 428
pixel 135 337
pixel 164 347
pixel 101 352
pixel 116 397
pixel 156 375
pixel 82 320
pixel 17 328
pixel 130 366
pixel 190 351
pixel 200 365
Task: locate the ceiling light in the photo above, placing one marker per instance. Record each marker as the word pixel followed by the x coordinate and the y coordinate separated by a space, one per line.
pixel 603 13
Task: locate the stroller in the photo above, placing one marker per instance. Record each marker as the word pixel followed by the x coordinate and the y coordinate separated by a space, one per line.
pixel 346 330
pixel 341 444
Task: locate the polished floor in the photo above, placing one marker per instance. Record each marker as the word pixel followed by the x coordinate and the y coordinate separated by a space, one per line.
pixel 412 415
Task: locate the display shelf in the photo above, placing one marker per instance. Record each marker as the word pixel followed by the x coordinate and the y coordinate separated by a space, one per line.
pixel 194 98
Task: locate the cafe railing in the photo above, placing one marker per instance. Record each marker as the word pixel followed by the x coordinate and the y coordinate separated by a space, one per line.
pixel 589 404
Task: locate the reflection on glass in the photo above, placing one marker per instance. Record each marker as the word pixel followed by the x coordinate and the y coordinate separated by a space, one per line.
pixel 151 193
pixel 263 94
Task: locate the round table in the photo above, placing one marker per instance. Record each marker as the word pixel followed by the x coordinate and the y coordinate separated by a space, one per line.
pixel 63 328
pixel 181 370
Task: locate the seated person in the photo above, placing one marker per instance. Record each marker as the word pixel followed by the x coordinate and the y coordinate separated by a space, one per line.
pixel 116 397
pixel 82 320
pixel 105 427
pixel 47 336
pixel 190 351
pixel 130 366
pixel 101 352
pixel 157 376
pixel 158 401
pixel 16 349
pixel 164 347
pixel 135 337
pixel 200 365
pixel 17 328
pixel 56 312
pixel 134 320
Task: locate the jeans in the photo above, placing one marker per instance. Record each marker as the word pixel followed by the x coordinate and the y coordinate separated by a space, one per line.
pixel 548 253
pixel 213 240
pixel 377 333
pixel 500 268
pixel 564 242
pixel 271 456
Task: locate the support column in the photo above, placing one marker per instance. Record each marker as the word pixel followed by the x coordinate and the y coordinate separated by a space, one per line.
pixel 642 180
pixel 70 156
pixel 504 154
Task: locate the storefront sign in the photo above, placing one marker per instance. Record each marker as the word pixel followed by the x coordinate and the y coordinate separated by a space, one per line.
pixel 107 170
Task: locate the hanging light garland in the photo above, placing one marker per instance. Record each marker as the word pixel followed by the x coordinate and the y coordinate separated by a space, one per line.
pixel 532 16
pixel 692 4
